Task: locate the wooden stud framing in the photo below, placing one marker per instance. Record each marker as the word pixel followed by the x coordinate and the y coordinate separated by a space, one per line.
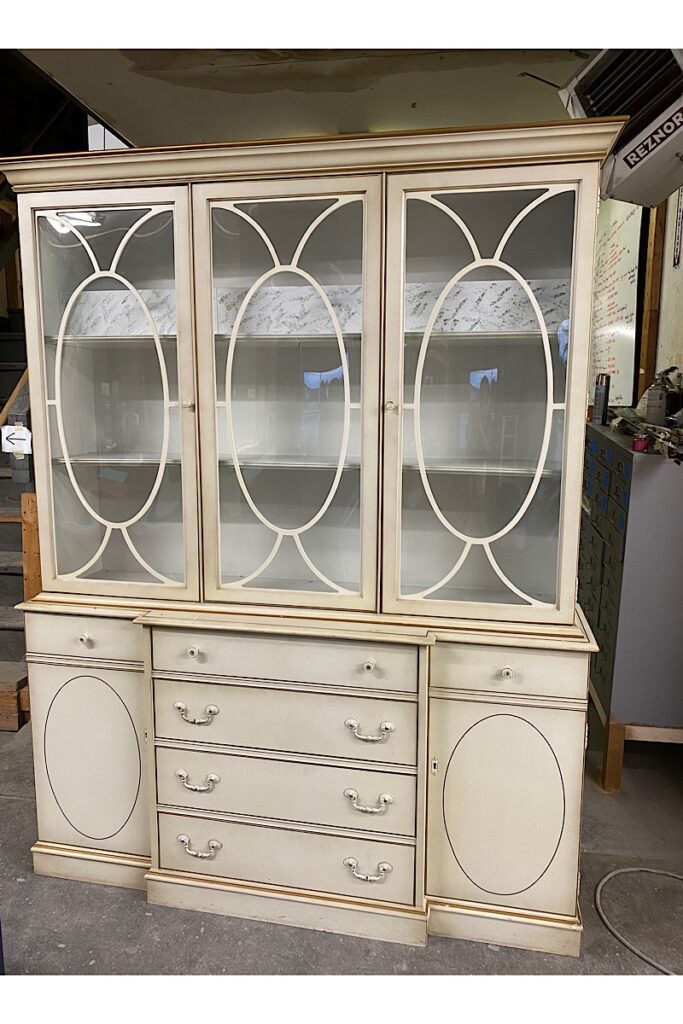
pixel 651 298
pixel 30 545
pixel 613 760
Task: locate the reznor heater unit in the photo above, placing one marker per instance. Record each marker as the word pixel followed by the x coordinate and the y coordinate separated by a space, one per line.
pixel 647 164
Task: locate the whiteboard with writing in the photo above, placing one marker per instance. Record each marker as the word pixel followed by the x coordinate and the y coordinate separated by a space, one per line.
pixel 615 285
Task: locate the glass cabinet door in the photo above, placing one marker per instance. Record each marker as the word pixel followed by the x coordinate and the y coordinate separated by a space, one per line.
pixel 482 329
pixel 116 448
pixel 288 319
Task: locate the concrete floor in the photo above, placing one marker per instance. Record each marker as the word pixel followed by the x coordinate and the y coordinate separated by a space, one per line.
pixel 55 927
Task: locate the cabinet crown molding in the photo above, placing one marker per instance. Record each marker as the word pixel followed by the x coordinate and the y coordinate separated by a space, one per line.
pixel 555 142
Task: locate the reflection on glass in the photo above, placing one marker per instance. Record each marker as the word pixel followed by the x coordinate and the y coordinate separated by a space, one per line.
pixel 487 335
pixel 287 285
pixel 109 324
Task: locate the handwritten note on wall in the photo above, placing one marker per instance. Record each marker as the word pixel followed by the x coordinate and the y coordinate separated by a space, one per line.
pixel 614 298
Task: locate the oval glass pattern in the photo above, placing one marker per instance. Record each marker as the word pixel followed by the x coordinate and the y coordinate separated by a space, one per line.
pixel 514 807
pixel 127 428
pixel 482 399
pixel 288 439
pixel 94 772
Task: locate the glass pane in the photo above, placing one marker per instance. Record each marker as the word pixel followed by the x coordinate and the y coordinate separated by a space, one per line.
pixel 109 321
pixel 287 278
pixel 487 299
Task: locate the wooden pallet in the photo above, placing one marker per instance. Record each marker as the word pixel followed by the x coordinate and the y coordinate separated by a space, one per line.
pixel 14 703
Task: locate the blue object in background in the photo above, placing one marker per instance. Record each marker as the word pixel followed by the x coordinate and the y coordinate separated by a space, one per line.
pixel 563 340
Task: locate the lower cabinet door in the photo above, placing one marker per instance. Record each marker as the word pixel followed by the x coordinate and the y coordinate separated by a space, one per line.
pixel 88 737
pixel 505 789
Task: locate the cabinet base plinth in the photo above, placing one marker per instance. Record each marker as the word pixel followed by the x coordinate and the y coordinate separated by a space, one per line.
pixel 283 907
pixel 85 865
pixel 544 934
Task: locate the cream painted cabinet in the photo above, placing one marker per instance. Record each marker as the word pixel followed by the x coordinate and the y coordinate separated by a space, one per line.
pixel 308 426
pixel 112 391
pixel 488 280
pixel 90 760
pixel 288 286
pixel 504 804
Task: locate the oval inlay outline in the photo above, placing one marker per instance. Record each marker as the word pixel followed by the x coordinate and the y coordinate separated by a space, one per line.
pixel 419 373
pixel 292 269
pixel 163 453
pixel 535 880
pixel 119 699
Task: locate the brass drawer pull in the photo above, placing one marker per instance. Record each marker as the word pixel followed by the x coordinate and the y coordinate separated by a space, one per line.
pixel 383 870
pixel 385 730
pixel 210 781
pixel 210 711
pixel 213 846
pixel 383 801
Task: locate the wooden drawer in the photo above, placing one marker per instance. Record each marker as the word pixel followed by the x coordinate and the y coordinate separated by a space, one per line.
pixel 509 670
pixel 297 659
pixel 84 636
pixel 282 856
pixel 269 788
pixel 278 719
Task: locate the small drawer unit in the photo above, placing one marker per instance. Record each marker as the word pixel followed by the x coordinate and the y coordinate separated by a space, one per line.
pixel 343 865
pixel 295 659
pixel 84 636
pixel 515 670
pixel 274 718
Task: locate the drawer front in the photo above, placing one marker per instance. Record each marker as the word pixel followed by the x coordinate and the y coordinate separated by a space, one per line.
pixel 609 610
pixel 600 450
pixel 297 659
pixel 598 501
pixel 84 636
pixel 267 788
pixel 611 580
pixel 590 571
pixel 613 557
pixel 598 472
pixel 592 544
pixel 509 670
pixel 616 541
pixel 279 856
pixel 279 719
pixel 620 491
pixel 590 605
pixel 616 516
pixel 623 468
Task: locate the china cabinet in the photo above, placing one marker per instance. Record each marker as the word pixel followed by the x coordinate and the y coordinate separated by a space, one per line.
pixel 308 424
